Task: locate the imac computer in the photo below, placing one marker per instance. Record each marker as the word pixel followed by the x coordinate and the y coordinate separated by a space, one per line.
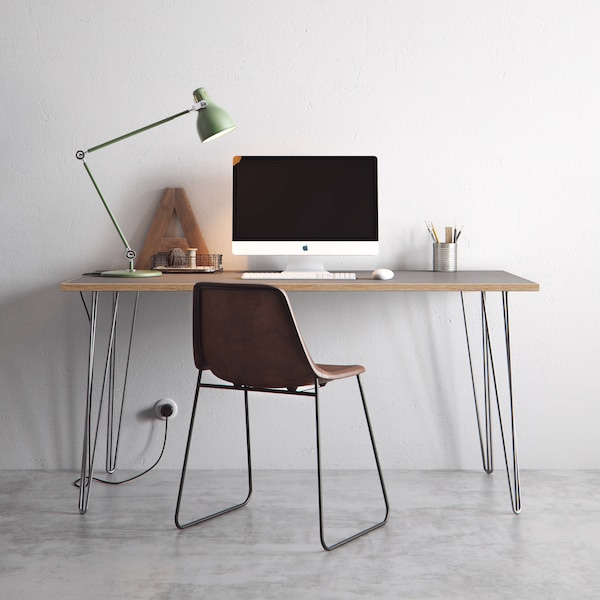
pixel 305 208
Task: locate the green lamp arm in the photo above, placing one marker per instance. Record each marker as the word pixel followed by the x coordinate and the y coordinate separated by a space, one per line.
pixel 130 254
pixel 197 106
pixel 80 154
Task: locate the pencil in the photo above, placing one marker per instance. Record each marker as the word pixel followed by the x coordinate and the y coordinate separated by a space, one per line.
pixel 430 229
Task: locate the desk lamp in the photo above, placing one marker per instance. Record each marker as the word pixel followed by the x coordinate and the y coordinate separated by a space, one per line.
pixel 212 123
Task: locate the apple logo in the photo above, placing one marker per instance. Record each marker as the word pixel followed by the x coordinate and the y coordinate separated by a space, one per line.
pixel 305 247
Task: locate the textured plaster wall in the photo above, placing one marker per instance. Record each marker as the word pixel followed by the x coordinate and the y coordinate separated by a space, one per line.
pixel 482 113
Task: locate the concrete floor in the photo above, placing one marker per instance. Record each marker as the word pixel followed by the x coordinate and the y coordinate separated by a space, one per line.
pixel 450 535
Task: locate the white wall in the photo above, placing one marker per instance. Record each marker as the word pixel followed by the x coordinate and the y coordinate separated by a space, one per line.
pixel 482 113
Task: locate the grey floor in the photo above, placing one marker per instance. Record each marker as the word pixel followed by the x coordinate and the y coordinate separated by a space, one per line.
pixel 450 535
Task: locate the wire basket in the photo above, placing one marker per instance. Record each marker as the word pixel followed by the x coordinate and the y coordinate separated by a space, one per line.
pixel 187 261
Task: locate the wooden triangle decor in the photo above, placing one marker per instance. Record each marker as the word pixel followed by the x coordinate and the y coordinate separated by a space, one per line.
pixel 174 200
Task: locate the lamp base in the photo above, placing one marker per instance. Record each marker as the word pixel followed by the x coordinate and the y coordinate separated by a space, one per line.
pixel 130 273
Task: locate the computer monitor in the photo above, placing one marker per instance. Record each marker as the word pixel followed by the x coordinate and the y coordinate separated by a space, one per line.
pixel 305 207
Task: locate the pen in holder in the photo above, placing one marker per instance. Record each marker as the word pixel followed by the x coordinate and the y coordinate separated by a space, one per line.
pixel 444 256
pixel 444 253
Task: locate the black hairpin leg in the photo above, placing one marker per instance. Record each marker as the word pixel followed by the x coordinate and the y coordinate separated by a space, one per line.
pixel 490 389
pixel 87 460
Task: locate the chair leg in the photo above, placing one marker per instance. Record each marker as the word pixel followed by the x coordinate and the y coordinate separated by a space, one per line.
pixel 178 523
pixel 319 476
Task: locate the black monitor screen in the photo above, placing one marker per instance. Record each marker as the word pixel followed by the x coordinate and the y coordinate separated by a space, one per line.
pixel 298 198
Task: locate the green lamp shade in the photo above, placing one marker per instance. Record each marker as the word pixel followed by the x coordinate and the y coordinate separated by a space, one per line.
pixel 213 121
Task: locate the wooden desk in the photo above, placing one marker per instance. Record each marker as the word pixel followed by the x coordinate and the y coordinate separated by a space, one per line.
pixel 403 281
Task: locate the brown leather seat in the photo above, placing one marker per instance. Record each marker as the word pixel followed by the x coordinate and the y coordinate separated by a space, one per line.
pixel 246 334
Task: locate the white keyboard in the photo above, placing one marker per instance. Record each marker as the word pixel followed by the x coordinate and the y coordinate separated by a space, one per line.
pixel 298 275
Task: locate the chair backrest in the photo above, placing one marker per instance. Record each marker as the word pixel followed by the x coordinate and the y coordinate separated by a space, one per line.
pixel 246 334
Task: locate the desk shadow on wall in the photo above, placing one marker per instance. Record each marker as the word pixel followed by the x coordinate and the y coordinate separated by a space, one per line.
pixel 412 346
pixel 43 374
pixel 441 369
pixel 431 382
pixel 158 363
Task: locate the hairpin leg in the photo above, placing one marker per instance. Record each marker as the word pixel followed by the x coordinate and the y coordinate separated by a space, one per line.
pixel 514 484
pixel 113 438
pixel 490 386
pixel 485 431
pixel 87 464
pixel 90 437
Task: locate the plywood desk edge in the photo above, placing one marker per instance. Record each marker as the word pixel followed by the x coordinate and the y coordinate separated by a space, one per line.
pixel 404 281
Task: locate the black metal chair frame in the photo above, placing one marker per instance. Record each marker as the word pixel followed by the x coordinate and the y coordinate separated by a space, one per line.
pixel 314 393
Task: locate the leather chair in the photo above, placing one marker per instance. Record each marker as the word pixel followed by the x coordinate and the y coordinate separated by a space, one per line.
pixel 247 336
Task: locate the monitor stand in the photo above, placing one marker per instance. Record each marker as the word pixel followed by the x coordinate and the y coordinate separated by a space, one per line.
pixel 306 264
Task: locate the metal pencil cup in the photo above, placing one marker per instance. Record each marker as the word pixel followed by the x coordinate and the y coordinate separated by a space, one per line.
pixel 444 257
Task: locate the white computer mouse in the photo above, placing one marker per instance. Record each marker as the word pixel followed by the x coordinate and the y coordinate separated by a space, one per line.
pixel 382 274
